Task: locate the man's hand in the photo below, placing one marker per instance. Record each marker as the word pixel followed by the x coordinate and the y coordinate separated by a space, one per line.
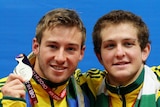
pixel 14 87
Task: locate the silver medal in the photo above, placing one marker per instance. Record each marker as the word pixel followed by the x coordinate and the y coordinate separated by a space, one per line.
pixel 23 69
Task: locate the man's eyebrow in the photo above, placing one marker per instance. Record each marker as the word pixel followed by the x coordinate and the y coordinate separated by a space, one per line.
pixel 110 40
pixel 73 44
pixel 132 39
pixel 55 42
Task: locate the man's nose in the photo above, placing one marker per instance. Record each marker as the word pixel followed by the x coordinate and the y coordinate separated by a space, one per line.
pixel 120 51
pixel 60 56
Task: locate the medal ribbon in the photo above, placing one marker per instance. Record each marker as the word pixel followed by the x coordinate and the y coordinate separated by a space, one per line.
pixel 32 95
pixel 48 89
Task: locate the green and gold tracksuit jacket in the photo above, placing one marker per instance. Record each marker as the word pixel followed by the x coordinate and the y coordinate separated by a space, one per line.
pixel 143 92
pixel 75 97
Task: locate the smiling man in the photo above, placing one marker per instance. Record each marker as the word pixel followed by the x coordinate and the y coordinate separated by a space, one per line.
pixel 122 46
pixel 57 48
pixel 121 43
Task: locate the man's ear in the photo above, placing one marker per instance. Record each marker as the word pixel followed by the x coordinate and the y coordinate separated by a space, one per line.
pixel 99 58
pixel 146 52
pixel 82 52
pixel 35 46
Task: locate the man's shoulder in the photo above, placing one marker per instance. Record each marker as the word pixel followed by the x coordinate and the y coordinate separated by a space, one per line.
pixel 156 70
pixel 2 81
pixel 90 79
pixel 91 73
pixel 95 75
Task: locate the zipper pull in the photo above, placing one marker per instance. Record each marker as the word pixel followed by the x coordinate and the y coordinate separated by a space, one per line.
pixel 119 93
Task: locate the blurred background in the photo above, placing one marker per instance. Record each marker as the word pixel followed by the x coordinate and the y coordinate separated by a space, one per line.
pixel 18 20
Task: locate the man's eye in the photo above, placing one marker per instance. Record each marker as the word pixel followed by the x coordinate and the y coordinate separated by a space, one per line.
pixel 128 44
pixel 53 46
pixel 71 49
pixel 110 46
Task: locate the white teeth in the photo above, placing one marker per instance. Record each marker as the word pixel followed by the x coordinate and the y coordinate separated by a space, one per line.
pixel 121 63
pixel 58 68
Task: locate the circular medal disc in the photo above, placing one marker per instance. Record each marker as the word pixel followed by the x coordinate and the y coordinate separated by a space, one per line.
pixel 25 72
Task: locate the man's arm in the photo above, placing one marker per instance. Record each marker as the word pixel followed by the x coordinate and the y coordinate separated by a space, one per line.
pixel 12 91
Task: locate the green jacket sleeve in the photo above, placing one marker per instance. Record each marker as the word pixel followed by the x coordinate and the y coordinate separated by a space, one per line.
pixel 12 102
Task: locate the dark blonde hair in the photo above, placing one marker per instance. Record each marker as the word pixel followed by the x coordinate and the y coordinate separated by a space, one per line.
pixel 117 17
pixel 60 17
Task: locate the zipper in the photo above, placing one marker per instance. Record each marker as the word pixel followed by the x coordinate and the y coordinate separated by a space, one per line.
pixel 121 96
pixel 51 100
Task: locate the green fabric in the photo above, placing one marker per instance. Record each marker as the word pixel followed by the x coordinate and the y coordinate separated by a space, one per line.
pixel 146 101
pixel 11 98
pixel 102 101
pixel 146 97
